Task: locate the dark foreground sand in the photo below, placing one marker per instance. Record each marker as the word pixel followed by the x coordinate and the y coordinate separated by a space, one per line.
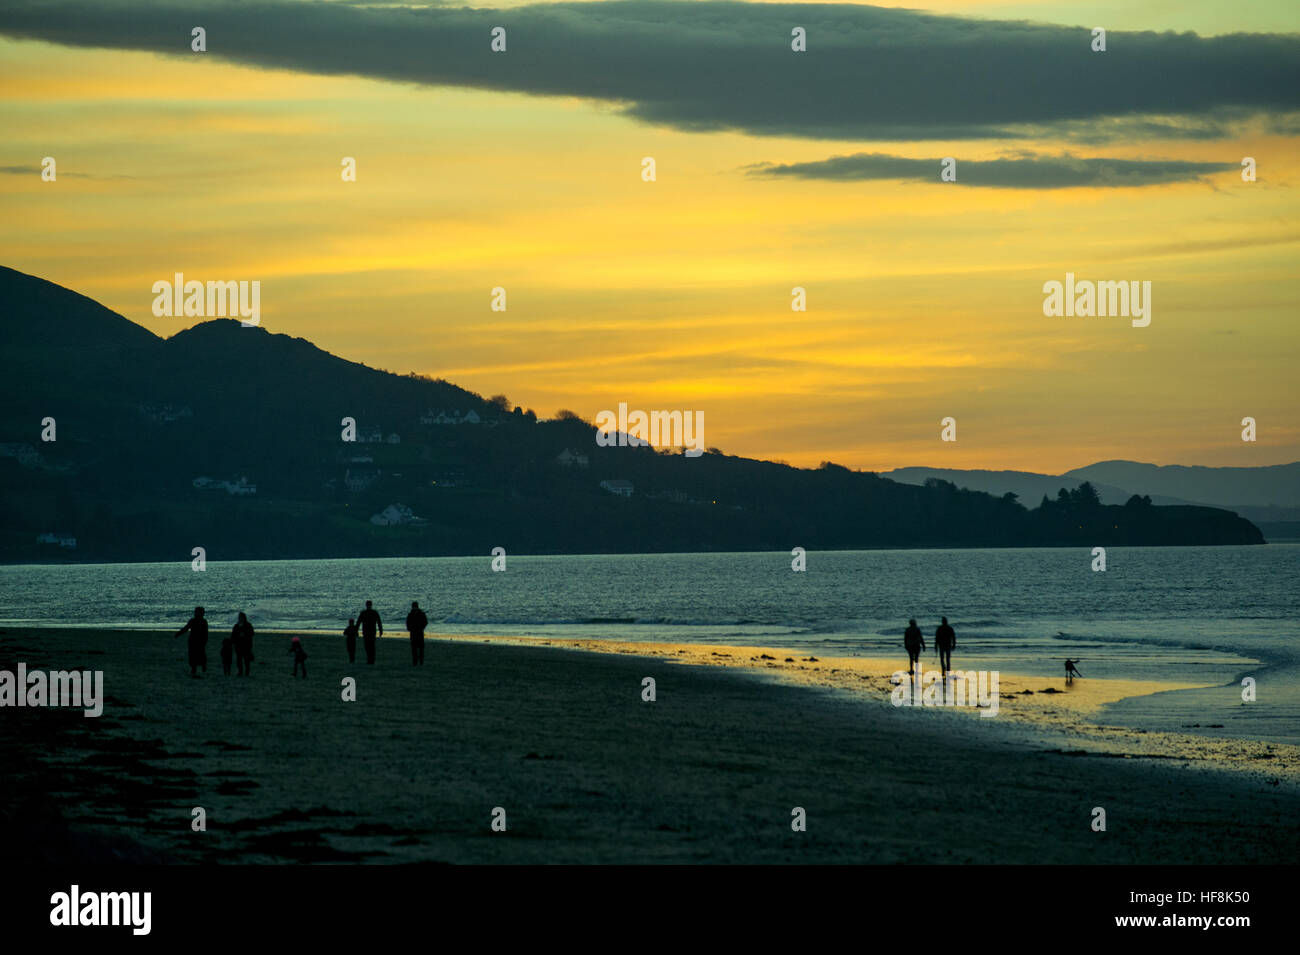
pixel 586 771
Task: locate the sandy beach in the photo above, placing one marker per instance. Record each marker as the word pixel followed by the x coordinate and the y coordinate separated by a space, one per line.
pixel 558 736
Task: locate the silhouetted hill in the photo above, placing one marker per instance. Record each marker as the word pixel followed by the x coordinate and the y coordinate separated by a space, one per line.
pixel 37 313
pixel 1027 485
pixel 63 351
pixel 1262 495
pixel 272 406
pixel 293 373
pixel 160 443
pixel 1275 485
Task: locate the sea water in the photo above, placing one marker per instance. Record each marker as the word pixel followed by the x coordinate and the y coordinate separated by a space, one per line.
pixel 1206 615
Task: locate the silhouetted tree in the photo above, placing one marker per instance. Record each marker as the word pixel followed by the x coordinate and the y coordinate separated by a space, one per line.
pixel 1085 497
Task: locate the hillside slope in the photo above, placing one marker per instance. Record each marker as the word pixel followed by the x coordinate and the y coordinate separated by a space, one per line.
pixel 161 442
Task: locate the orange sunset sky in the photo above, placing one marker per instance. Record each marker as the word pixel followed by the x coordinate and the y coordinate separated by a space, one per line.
pixel 924 297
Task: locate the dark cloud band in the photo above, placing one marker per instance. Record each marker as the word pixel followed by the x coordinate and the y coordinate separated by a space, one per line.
pixel 868 73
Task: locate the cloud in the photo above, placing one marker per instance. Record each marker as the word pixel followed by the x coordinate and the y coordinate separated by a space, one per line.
pixel 1026 171
pixel 868 73
pixel 35 170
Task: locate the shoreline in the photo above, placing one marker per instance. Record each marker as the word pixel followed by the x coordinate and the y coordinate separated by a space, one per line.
pixel 657 553
pixel 1073 715
pixel 1259 657
pixel 1040 706
pixel 590 772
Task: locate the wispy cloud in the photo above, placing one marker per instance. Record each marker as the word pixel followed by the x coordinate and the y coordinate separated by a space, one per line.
pixel 35 170
pixel 1026 171
pixel 868 73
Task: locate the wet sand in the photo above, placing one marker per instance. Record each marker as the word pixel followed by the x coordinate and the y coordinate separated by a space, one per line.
pixel 558 736
pixel 1074 714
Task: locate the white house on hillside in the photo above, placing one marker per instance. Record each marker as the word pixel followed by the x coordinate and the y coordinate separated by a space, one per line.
pixel 395 515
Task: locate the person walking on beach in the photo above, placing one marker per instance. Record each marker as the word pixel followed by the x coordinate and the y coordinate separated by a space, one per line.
pixel 945 638
pixel 350 639
pixel 242 634
pixel 299 656
pixel 227 654
pixel 198 641
pixel 914 643
pixel 370 622
pixel 416 621
pixel 1070 671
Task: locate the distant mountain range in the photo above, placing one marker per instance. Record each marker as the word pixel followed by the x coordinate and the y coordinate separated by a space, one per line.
pixel 232 439
pixel 1268 496
pixel 1276 486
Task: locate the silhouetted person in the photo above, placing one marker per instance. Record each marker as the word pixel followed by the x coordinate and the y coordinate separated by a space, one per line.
pixel 350 639
pixel 198 641
pixel 914 642
pixel 945 638
pixel 227 655
pixel 370 622
pixel 1070 671
pixel 242 634
pixel 299 656
pixel 416 621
